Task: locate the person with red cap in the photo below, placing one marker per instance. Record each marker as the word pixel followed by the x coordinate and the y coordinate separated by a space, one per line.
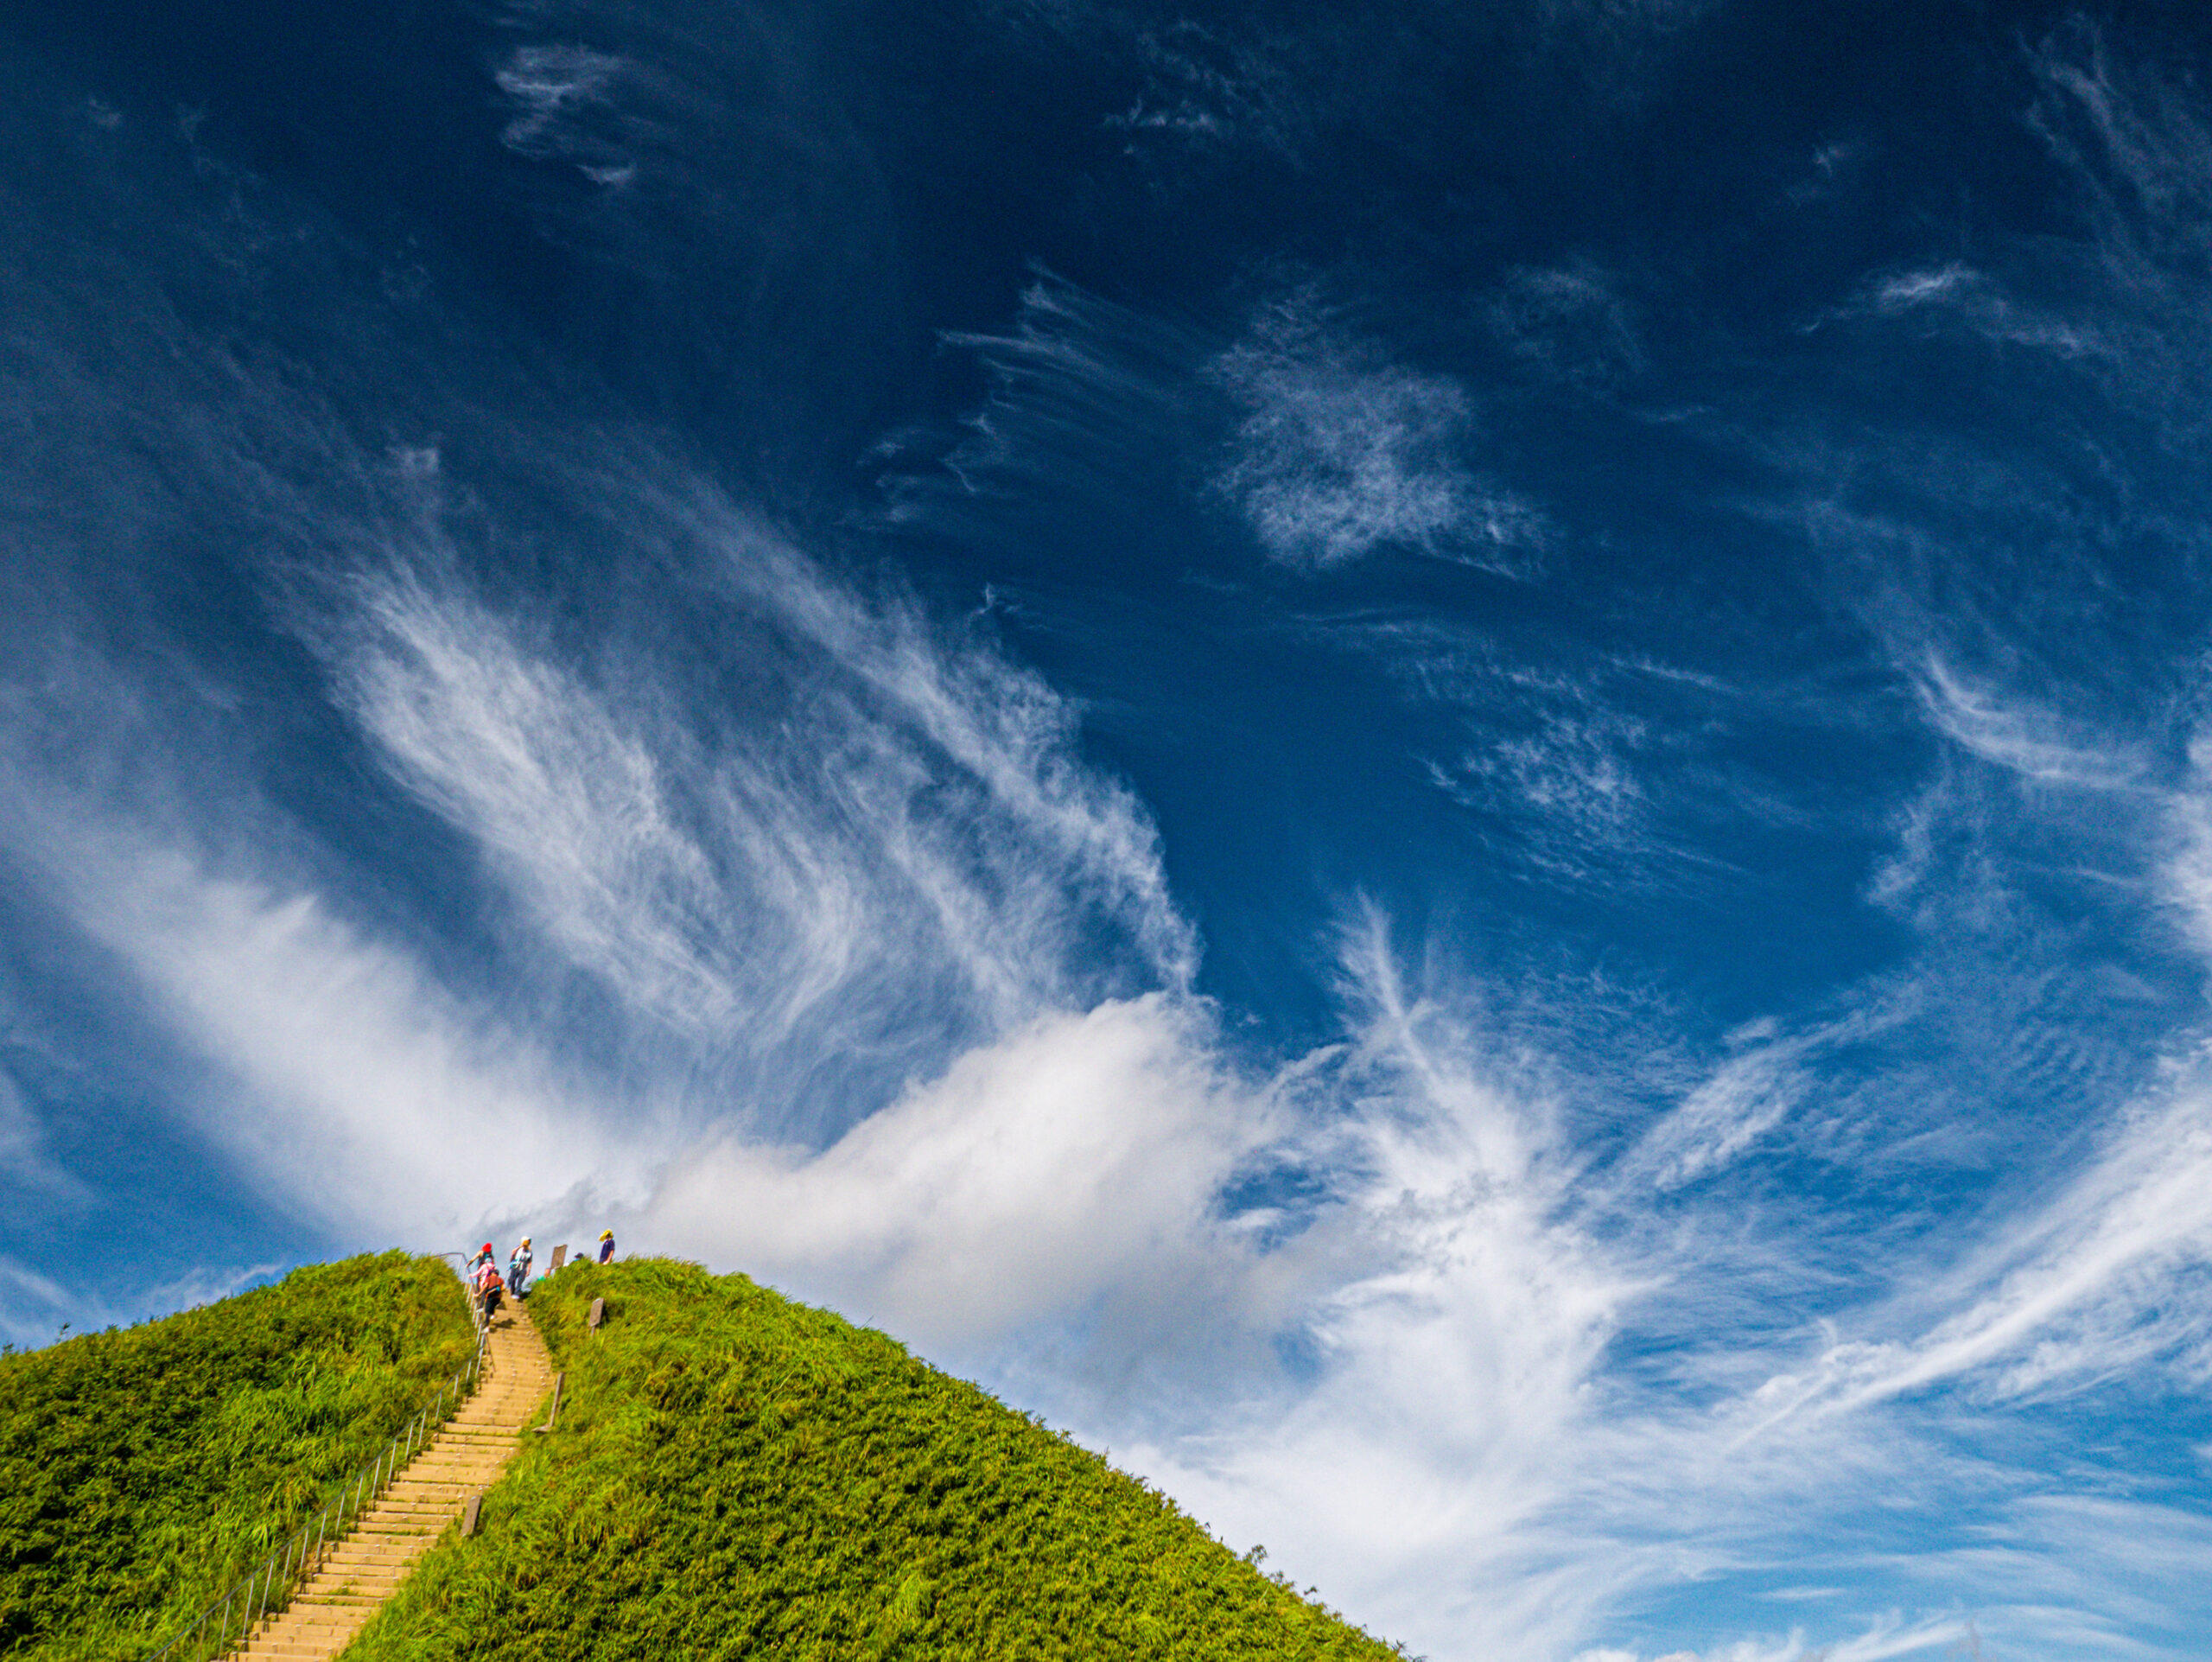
pixel 487 1283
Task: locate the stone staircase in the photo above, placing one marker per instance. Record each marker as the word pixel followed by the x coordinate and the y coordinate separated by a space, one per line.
pixel 361 1572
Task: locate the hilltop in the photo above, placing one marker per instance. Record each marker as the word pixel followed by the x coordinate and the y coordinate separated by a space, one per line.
pixel 142 1466
pixel 734 1474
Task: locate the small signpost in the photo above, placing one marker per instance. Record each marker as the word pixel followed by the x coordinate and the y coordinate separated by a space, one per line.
pixel 553 1410
pixel 597 1314
pixel 560 1257
pixel 468 1515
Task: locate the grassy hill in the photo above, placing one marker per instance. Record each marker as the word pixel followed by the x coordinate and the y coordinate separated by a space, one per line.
pixel 736 1476
pixel 140 1467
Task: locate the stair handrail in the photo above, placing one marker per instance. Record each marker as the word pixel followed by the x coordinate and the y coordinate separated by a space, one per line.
pixel 266 1589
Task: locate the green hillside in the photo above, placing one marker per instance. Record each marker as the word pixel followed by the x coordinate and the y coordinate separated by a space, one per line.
pixel 141 1467
pixel 736 1476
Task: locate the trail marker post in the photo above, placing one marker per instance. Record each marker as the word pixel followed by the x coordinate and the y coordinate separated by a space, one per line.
pixel 553 1412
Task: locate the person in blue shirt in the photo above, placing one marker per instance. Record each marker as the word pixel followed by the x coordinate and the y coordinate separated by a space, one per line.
pixel 606 1246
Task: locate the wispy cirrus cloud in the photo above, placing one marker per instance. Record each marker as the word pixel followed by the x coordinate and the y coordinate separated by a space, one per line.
pixel 2023 737
pixel 566 106
pixel 1332 451
pixel 786 922
pixel 25 1156
pixel 908 847
pixel 1568 324
pixel 1956 293
pixel 34 1308
pixel 755 874
pixel 1764 1075
pixel 1342 452
pixel 366 1083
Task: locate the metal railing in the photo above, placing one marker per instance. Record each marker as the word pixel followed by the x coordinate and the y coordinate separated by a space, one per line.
pixel 266 1589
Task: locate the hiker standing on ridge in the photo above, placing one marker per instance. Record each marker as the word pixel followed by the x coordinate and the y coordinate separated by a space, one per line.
pixel 518 1269
pixel 606 1246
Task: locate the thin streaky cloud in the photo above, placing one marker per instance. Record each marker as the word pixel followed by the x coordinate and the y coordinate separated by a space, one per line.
pixel 2021 736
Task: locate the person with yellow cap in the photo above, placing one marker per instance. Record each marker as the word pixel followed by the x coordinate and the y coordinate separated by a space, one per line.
pixel 606 1246
pixel 518 1269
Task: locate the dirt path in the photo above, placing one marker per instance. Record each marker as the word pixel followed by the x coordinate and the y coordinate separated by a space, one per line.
pixel 361 1571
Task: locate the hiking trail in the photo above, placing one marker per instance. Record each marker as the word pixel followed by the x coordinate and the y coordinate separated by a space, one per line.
pixel 465 1457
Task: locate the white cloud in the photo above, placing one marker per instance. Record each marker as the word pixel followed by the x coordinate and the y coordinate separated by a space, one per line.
pixel 1743 1099
pixel 1342 453
pixel 1973 300
pixel 1467 1437
pixel 374 1101
pixel 23 1154
pixel 1890 1636
pixel 33 1308
pixel 901 848
pixel 1455 1321
pixel 205 1284
pixel 566 802
pixel 1568 324
pixel 2024 737
pixel 2074 1292
pixel 2137 147
pixel 1077 1157
pixel 563 97
pixel 1762 1080
pixel 1088 398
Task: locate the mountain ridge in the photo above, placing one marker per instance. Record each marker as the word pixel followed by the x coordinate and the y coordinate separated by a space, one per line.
pixel 734 1474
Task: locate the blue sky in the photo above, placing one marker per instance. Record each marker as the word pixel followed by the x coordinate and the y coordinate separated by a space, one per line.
pixel 1445 767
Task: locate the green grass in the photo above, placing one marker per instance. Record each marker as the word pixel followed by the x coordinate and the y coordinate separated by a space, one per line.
pixel 736 1476
pixel 141 1467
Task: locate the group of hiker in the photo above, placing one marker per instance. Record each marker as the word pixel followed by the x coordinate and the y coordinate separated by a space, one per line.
pixel 486 1284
